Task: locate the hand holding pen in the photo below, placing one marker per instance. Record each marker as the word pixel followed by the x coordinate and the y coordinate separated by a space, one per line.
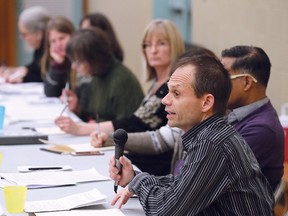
pixel 65 98
pixel 70 99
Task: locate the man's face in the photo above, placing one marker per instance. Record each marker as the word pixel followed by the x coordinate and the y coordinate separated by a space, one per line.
pixel 183 107
pixel 236 97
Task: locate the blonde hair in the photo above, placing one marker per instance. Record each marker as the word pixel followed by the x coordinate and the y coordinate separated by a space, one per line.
pixel 171 34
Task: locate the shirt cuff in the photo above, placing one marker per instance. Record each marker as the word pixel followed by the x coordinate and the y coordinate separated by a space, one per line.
pixel 135 185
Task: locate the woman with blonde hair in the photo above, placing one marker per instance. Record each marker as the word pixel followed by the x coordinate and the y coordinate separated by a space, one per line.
pixel 56 67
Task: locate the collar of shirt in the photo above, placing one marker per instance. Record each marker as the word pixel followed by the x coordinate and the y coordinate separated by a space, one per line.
pixel 240 113
pixel 190 134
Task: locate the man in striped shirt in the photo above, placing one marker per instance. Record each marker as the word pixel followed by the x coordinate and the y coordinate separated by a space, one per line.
pixel 220 175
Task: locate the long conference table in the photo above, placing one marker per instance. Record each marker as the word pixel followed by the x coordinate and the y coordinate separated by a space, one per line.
pixel 26 106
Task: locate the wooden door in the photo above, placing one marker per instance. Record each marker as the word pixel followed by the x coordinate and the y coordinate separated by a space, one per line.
pixel 8 25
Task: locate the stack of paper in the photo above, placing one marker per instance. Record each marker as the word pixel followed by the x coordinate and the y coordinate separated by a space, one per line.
pixel 89 198
pixel 50 179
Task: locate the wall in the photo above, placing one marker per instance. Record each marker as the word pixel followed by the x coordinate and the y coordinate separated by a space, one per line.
pixel 129 19
pixel 224 23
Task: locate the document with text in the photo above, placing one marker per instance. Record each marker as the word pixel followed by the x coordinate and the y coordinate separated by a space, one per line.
pixel 51 179
pixel 89 198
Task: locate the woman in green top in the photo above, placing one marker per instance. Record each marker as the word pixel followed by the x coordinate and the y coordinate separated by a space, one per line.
pixel 109 90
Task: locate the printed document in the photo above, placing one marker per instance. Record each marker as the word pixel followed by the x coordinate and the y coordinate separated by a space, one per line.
pixel 44 179
pixel 89 198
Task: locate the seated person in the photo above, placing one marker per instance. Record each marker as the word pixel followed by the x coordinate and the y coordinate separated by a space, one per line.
pixel 101 21
pixel 266 139
pixel 32 24
pixel 162 43
pixel 56 67
pixel 253 115
pixel 220 175
pixel 112 93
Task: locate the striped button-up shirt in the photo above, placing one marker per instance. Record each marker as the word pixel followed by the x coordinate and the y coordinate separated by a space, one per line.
pixel 220 176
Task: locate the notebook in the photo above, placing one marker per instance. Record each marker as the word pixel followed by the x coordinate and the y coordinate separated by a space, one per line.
pixel 20 136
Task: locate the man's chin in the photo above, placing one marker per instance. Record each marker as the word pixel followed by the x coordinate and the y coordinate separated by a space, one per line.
pixel 171 123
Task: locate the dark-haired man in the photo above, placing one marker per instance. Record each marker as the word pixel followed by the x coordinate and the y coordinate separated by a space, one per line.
pixel 253 115
pixel 220 175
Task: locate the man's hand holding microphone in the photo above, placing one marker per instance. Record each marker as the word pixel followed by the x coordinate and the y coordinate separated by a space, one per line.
pixel 121 169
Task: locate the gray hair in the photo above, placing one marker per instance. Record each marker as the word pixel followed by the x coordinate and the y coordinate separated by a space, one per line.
pixel 34 18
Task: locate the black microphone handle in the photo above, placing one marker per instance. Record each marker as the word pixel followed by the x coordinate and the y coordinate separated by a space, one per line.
pixel 120 138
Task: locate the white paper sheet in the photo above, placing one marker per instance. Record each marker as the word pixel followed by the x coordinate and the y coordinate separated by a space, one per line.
pixel 51 179
pixel 22 88
pixel 92 197
pixel 50 130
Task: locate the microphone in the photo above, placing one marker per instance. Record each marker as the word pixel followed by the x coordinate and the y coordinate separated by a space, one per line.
pixel 120 138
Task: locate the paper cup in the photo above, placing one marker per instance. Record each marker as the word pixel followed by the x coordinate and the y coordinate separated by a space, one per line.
pixel 2 116
pixel 15 197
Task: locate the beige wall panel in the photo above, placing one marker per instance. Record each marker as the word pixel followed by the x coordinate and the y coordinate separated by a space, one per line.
pixel 224 23
pixel 129 18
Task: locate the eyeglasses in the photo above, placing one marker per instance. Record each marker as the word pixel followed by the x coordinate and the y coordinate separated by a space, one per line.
pixel 158 44
pixel 24 34
pixel 243 75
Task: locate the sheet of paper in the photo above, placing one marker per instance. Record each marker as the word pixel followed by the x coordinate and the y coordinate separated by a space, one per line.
pixel 22 88
pixel 50 130
pixel 51 179
pixel 92 197
pixel 105 212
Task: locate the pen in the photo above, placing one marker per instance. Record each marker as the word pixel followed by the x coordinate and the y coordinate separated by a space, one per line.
pixel 66 96
pixel 43 168
pixel 63 110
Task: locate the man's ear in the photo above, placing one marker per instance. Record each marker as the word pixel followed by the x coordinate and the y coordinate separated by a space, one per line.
pixel 248 82
pixel 208 102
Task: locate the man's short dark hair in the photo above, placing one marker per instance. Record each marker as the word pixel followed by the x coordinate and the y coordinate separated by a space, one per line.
pixel 251 60
pixel 211 77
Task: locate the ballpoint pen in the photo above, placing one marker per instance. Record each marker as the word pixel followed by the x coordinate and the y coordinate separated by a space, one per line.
pixel 63 110
pixel 65 100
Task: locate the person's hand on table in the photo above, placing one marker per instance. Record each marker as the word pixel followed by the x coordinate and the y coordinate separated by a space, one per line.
pixel 17 75
pixel 71 98
pixel 122 197
pixel 67 125
pixel 98 139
